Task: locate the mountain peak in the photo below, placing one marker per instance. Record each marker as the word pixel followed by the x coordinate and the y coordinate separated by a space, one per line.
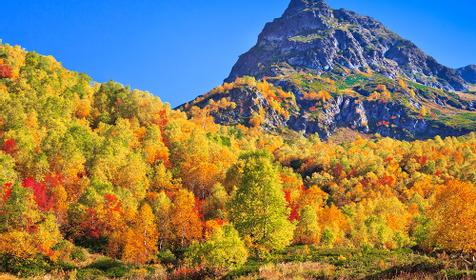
pixel 313 37
pixel 297 6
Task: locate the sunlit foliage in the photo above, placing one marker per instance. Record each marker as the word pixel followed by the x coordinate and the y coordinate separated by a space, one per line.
pixel 119 172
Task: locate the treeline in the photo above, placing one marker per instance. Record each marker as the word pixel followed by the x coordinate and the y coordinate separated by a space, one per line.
pixel 116 171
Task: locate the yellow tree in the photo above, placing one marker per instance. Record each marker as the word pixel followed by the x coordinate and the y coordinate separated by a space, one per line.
pixel 314 197
pixel 453 217
pixel 141 239
pixel 334 225
pixel 307 230
pixel 185 220
pixel 324 96
pixel 163 208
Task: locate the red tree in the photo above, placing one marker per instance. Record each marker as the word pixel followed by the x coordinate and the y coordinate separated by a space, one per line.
pixel 53 180
pixel 112 202
pixel 5 71
pixel 91 225
pixel 294 214
pixel 42 198
pixel 10 146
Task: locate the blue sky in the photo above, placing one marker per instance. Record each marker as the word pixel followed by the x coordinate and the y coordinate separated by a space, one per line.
pixel 178 49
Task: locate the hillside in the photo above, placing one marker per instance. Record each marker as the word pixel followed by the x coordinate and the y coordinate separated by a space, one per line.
pixel 330 69
pixel 100 181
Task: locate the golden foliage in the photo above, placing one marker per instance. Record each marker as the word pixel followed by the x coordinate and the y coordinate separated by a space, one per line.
pixel 453 217
pixel 322 95
pixel 185 220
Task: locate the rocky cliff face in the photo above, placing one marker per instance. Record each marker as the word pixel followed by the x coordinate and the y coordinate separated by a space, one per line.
pixel 315 70
pixel 313 37
pixel 402 116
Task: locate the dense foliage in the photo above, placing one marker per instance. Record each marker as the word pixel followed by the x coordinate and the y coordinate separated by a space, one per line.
pixel 120 173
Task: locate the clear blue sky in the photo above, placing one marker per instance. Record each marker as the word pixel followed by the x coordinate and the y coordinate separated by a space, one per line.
pixel 178 49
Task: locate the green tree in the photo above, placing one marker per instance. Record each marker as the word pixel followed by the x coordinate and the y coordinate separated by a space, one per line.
pixel 7 168
pixel 307 230
pixel 224 250
pixel 258 209
pixel 19 210
pixel 24 229
pixel 215 203
pixel 113 101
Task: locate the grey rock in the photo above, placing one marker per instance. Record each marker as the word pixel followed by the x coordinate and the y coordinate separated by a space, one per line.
pixel 388 119
pixel 312 36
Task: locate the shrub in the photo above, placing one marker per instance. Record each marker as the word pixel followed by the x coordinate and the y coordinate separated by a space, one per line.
pixel 195 273
pixel 167 257
pixel 79 254
pixel 110 267
pixel 90 274
pixel 155 272
pixel 25 267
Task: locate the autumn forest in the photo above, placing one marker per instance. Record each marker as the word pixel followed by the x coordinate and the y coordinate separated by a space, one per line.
pixel 99 180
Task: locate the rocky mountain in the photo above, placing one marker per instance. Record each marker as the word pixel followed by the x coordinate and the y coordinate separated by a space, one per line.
pixel 316 69
pixel 468 73
pixel 312 36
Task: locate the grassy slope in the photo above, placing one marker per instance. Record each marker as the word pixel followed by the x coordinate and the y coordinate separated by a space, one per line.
pixel 312 263
pixel 299 262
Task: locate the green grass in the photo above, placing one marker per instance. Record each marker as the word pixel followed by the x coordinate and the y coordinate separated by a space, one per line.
pixel 462 120
pixel 345 26
pixel 352 81
pixel 297 262
pixel 305 38
pixel 110 267
pixel 304 261
pixel 418 85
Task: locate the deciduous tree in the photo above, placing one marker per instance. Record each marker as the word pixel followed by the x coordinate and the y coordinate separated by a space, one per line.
pixel 186 224
pixel 453 217
pixel 258 208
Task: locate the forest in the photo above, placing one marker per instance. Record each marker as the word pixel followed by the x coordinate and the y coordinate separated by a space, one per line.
pixel 102 181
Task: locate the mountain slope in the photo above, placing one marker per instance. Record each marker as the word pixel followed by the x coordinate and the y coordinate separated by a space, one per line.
pixel 468 73
pixel 316 69
pixel 312 36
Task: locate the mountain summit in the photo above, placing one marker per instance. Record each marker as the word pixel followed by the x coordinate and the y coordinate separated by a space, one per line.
pixel 318 70
pixel 297 6
pixel 313 37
